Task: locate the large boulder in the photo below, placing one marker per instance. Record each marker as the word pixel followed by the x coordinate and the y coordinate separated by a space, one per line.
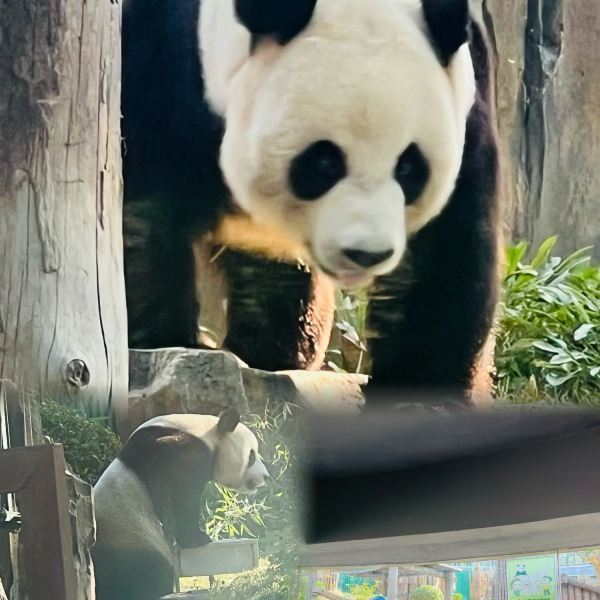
pixel 180 380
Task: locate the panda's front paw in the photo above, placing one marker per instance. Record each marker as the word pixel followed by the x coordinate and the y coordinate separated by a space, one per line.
pixel 193 538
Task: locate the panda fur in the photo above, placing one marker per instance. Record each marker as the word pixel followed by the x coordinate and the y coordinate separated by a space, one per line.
pixel 308 143
pixel 148 499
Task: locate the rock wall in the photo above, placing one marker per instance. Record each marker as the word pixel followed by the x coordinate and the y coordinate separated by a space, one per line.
pixel 548 90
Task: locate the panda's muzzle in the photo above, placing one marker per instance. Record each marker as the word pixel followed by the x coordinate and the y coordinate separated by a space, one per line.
pixel 366 259
pixel 254 483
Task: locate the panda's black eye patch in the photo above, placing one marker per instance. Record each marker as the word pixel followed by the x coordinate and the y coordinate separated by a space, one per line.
pixel 316 170
pixel 412 173
pixel 251 458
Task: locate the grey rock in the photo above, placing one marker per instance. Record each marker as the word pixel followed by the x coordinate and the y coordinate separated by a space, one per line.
pixel 181 380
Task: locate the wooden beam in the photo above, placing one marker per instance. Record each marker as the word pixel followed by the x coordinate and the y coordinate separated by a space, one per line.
pixel 37 475
pixel 566 533
pixel 329 595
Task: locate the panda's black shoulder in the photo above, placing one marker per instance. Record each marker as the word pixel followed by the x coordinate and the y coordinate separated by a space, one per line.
pixel 171 135
pixel 149 450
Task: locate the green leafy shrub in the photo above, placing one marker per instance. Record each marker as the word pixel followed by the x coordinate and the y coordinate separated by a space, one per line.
pixel 427 592
pixel 88 444
pixel 363 591
pixel 271 515
pixel 269 583
pixel 548 339
pixel 457 596
pixel 347 352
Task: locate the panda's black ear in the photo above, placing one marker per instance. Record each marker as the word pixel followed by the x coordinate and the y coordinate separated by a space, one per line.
pixel 448 22
pixel 228 421
pixel 280 19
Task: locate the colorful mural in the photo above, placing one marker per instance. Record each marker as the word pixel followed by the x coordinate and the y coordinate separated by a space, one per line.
pixel 532 578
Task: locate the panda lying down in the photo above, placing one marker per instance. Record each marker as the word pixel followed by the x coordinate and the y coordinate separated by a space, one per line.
pixel 149 498
pixel 303 144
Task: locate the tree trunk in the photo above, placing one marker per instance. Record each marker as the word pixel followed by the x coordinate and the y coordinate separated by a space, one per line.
pixel 548 85
pixel 62 301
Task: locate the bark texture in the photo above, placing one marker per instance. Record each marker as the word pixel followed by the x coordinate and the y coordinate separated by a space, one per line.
pixel 548 85
pixel 62 301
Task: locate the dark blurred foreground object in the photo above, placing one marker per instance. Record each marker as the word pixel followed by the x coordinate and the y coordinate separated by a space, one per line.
pixel 413 486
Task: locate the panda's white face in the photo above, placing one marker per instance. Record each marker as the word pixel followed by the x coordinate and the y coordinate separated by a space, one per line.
pixel 238 464
pixel 349 138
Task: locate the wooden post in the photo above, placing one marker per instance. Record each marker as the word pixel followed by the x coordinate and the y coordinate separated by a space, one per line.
pixel 62 302
pixel 392 584
pixel 311 580
pixel 37 475
pixel 502 590
pixel 547 82
pixel 448 584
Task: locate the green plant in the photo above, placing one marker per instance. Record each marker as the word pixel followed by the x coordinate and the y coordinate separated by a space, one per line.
pixel 457 596
pixel 347 351
pixel 427 592
pixel 271 515
pixel 363 591
pixel 267 583
pixel 548 339
pixel 89 445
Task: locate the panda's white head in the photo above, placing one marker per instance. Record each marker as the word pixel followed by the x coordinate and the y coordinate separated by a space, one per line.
pixel 345 123
pixel 238 464
pixel 235 459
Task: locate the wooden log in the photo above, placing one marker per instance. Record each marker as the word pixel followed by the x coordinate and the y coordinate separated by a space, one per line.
pixel 547 83
pixel 62 301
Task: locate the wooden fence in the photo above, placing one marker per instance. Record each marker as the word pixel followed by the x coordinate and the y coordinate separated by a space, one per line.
pixel 571 589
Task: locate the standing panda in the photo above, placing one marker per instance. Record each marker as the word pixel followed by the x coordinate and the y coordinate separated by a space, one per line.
pixel 149 498
pixel 273 149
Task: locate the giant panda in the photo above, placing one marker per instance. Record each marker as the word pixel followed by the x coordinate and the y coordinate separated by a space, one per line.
pixel 274 150
pixel 147 502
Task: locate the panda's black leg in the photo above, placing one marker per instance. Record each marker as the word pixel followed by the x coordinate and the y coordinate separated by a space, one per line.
pixel 160 275
pixel 432 316
pixel 280 314
pixel 188 533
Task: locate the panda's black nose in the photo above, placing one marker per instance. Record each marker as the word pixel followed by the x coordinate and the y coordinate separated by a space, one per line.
pixel 366 259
